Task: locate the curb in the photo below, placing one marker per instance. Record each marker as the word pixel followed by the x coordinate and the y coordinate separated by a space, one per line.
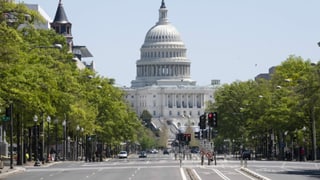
pixel 7 171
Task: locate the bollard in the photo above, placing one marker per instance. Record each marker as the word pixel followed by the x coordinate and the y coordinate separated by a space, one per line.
pixel 245 163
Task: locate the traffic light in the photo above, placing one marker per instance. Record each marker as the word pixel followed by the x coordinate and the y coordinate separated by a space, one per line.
pixel 202 122
pixel 214 133
pixel 187 137
pixel 7 115
pixel 180 137
pixel 213 119
pixel 204 134
pixel 197 135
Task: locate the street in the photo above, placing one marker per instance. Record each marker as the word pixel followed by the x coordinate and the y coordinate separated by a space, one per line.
pixel 159 167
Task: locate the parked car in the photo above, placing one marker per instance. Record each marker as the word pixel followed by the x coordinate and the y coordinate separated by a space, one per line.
pixel 246 154
pixel 142 154
pixel 123 154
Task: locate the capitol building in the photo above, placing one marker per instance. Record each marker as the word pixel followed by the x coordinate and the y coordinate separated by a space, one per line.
pixel 163 84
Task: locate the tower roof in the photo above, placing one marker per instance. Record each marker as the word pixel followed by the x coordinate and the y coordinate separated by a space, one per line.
pixel 60 16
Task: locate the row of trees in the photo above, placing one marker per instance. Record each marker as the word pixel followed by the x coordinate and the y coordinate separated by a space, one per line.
pixel 38 79
pixel 272 116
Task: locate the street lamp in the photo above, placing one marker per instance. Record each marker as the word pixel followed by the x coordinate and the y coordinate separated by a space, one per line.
pixel 82 143
pixel 37 162
pixel 11 136
pixel 77 140
pixel 303 152
pixel 64 124
pixel 56 134
pixel 48 137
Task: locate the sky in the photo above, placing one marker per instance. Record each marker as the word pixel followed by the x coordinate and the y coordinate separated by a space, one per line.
pixel 228 40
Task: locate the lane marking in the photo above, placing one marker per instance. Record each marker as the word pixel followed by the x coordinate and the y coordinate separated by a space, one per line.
pixel 196 174
pixel 220 174
pixel 183 175
pixel 254 174
pixel 244 174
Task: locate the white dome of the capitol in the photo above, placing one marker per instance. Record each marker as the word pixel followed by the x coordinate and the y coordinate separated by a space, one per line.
pixel 163 33
pixel 163 58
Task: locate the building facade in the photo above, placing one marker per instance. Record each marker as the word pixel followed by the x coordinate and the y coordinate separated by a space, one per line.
pixel 163 84
pixel 63 26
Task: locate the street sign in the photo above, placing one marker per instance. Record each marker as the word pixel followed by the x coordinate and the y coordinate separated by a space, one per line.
pixel 5 118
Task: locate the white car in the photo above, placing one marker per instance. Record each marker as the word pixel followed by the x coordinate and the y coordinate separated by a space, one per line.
pixel 123 154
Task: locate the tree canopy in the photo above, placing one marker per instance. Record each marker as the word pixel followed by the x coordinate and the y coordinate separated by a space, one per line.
pixel 39 79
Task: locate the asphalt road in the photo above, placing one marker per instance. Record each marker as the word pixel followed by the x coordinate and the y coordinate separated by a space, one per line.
pixel 165 167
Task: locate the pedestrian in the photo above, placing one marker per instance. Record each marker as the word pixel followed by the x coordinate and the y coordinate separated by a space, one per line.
pixel 53 154
pixel 27 156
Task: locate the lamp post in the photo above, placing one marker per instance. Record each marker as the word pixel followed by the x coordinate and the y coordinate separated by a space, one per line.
pixel 64 124
pixel 11 136
pixel 303 152
pixel 48 138
pixel 77 140
pixel 82 143
pixel 37 162
pixel 314 136
pixel 56 134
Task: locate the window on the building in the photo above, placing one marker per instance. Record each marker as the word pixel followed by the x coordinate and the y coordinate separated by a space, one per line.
pixel 63 29
pixel 154 113
pixel 178 104
pixel 170 103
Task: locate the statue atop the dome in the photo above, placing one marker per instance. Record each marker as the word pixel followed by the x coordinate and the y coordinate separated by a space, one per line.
pixel 163 5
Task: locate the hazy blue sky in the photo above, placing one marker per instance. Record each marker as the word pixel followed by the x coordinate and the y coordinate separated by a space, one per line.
pixel 226 39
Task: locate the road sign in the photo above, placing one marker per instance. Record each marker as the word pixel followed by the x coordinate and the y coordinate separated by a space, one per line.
pixel 5 118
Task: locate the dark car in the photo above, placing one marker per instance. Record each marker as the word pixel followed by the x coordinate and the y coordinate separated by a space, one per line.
pixel 142 154
pixel 246 155
pixel 195 150
pixel 166 151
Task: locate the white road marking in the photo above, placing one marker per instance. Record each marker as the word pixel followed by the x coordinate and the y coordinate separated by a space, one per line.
pixel 220 174
pixel 244 174
pixel 196 174
pixel 183 175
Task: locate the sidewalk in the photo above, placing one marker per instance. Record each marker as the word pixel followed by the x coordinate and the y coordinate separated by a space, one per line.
pixel 6 170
